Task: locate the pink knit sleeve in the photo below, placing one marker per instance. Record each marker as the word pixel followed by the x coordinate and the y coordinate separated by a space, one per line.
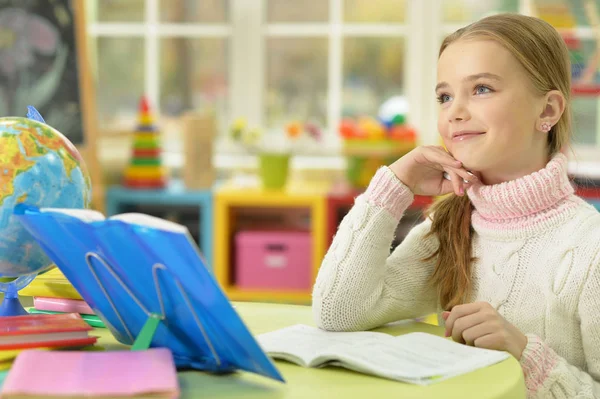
pixel 537 361
pixel 388 192
pixel 548 375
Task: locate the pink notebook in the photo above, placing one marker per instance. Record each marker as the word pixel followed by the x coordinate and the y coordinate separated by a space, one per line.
pixel 92 374
pixel 62 305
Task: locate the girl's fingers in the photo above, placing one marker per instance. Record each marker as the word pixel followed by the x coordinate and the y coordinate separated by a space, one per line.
pixel 454 183
pixel 447 162
pixel 466 328
pixel 460 311
pixel 457 178
pixel 472 333
pixel 440 157
pixel 465 176
pixel 457 183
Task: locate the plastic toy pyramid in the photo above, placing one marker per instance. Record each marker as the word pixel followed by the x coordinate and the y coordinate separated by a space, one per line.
pixel 145 169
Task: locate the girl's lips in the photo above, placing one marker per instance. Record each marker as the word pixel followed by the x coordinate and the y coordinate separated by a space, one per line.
pixel 466 136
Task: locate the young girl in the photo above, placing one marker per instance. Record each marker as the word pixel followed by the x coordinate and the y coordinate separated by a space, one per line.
pixel 512 257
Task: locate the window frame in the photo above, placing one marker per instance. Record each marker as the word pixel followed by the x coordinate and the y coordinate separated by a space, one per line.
pixel 247 32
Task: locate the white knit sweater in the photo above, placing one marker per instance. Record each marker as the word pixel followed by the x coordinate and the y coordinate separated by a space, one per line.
pixel 538 263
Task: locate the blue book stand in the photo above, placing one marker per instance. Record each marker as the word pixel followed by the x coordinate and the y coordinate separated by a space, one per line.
pixel 134 276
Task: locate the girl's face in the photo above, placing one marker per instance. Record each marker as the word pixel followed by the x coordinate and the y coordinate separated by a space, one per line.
pixel 488 111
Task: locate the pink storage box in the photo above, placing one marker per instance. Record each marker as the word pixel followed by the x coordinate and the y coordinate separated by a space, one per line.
pixel 273 260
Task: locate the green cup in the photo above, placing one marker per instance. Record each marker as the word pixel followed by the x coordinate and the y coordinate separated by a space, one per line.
pixel 274 170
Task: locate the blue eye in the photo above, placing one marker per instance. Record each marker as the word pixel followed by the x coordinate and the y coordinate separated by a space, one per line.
pixel 482 90
pixel 442 98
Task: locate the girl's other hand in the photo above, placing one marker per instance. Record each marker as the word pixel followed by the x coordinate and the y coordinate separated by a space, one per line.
pixel 479 324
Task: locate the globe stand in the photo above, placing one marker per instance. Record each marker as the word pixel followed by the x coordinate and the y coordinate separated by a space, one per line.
pixel 11 306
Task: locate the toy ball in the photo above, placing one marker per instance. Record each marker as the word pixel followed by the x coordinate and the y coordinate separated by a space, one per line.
pixel 393 107
pixel 387 124
pixel 371 127
pixel 347 128
pixel 403 133
pixel 398 119
pixel 294 129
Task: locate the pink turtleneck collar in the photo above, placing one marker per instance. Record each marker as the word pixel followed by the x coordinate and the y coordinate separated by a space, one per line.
pixel 527 204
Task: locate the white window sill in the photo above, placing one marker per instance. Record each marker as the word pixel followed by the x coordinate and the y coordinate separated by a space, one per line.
pixel 584 163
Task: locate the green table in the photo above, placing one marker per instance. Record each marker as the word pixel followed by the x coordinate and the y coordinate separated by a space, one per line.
pixel 503 380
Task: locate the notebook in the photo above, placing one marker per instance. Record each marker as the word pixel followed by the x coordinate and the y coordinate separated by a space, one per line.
pixel 417 358
pixel 44 330
pixel 114 374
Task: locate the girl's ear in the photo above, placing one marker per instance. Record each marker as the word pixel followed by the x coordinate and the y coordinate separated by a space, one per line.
pixel 553 108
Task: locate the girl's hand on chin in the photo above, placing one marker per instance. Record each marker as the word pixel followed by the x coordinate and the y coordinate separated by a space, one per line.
pixel 422 170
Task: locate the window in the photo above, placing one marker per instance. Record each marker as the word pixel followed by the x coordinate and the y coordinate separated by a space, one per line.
pixel 329 60
pixel 575 20
pixel 277 61
pixel 175 52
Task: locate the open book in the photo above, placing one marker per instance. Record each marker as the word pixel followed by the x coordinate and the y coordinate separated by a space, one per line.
pixel 417 358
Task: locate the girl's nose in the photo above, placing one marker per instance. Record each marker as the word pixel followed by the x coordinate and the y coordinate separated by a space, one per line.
pixel 458 112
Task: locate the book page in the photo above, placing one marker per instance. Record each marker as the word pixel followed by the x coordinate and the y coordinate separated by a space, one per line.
pixel 416 357
pixel 142 219
pixel 86 215
pixel 310 346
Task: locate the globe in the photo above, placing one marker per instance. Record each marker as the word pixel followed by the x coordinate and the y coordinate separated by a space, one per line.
pixel 38 166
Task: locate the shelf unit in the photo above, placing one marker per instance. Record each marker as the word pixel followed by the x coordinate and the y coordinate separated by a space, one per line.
pixel 170 201
pixel 230 203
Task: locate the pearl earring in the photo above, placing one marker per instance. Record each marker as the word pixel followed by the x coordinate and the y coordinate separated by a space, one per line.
pixel 546 127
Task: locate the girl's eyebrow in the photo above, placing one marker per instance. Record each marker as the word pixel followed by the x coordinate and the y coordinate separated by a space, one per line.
pixel 443 85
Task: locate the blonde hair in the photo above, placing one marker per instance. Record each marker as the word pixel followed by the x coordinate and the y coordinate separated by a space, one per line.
pixel 543 54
